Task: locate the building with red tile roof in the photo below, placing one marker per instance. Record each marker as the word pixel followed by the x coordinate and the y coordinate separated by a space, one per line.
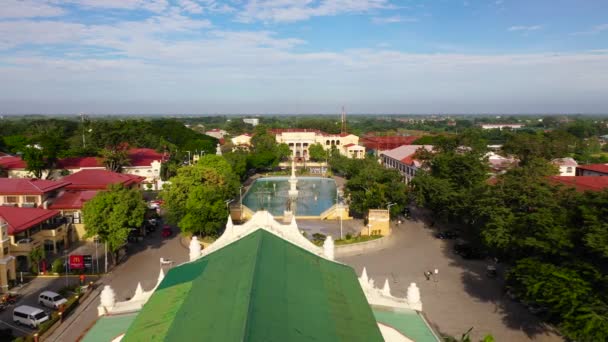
pixel 72 199
pixel 11 162
pixel 21 219
pixel 385 143
pixel 24 192
pixel 100 180
pixel 144 162
pixel 582 183
pixel 592 170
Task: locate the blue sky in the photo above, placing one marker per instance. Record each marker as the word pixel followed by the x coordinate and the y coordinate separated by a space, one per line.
pixel 303 56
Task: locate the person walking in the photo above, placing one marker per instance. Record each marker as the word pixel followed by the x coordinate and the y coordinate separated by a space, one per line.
pixel 81 277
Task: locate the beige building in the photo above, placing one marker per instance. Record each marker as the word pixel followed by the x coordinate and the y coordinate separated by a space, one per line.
pixel 299 140
pixel 242 141
pixel 378 223
pixel 28 229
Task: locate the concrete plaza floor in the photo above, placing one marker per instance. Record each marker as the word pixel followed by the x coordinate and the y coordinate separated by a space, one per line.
pixel 460 297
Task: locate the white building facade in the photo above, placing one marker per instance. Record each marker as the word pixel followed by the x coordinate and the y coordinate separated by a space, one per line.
pixel 299 141
pixel 402 159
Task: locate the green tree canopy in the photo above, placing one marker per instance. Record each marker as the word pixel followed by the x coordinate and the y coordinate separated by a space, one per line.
pixel 112 214
pixel 317 152
pixel 196 197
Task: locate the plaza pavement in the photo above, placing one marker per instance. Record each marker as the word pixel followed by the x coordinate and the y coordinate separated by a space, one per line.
pixel 460 297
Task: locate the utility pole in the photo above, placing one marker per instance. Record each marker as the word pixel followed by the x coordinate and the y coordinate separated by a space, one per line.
pixel 84 144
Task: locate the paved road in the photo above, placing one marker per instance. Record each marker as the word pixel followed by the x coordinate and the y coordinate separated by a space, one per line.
pixel 142 265
pixel 460 297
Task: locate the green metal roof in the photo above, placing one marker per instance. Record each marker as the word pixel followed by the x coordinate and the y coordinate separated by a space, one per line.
pixel 259 288
pixel 107 328
pixel 408 322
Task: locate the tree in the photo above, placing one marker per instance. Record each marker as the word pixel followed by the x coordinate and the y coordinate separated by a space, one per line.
pixel 36 256
pixel 34 159
pixel 195 198
pixel 111 215
pixel 115 158
pixel 317 152
pixel 238 162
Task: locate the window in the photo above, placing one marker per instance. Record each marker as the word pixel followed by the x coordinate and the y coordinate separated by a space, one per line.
pixel 5 251
pixel 569 169
pixel 30 199
pixel 10 199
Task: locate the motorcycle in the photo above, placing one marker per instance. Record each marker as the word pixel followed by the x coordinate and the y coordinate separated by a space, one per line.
pixel 491 271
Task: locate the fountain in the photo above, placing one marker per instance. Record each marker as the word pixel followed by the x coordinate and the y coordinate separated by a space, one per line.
pixel 293 191
pixel 291 196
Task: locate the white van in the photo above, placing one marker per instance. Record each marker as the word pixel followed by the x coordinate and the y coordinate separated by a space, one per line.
pixel 51 299
pixel 29 315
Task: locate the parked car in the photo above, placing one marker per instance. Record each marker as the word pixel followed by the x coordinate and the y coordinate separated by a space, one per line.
pixel 167 231
pixel 466 251
pixel 51 299
pixel 134 235
pixel 447 235
pixel 29 315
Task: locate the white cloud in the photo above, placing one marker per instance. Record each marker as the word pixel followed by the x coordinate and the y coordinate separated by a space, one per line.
pixel 28 9
pixel 594 30
pixel 525 28
pixel 393 19
pixel 298 10
pixel 156 6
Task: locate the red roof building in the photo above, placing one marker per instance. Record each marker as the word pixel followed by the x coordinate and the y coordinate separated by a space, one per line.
pixel 10 162
pixel 384 143
pixel 72 199
pixel 99 180
pixel 582 183
pixel 21 219
pixel 592 170
pixel 26 186
pixel 138 157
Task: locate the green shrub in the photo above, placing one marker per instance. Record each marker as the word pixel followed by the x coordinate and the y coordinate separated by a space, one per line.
pixel 349 236
pixel 57 266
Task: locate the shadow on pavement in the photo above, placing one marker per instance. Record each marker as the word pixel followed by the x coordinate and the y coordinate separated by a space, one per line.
pixel 483 288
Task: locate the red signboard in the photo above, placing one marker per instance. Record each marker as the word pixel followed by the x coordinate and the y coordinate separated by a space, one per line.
pixel 76 262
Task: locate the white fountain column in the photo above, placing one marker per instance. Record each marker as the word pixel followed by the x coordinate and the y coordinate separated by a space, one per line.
pixel 293 190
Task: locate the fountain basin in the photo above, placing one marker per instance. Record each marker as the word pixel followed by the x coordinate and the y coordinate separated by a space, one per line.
pixel 315 195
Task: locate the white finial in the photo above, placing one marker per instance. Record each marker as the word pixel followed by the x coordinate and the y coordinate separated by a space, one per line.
pixel 293 222
pixel 107 298
pixel 328 248
pixel 386 290
pixel 413 297
pixel 161 276
pixel 139 291
pixel 218 150
pixel 195 248
pixel 363 277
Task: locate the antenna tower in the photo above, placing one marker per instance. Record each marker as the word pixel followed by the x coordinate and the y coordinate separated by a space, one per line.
pixel 343 119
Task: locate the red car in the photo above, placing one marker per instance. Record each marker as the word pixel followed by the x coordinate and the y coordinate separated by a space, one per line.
pixel 167 231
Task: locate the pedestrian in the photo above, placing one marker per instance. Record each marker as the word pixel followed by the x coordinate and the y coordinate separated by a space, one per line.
pixel 81 277
pixel 427 274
